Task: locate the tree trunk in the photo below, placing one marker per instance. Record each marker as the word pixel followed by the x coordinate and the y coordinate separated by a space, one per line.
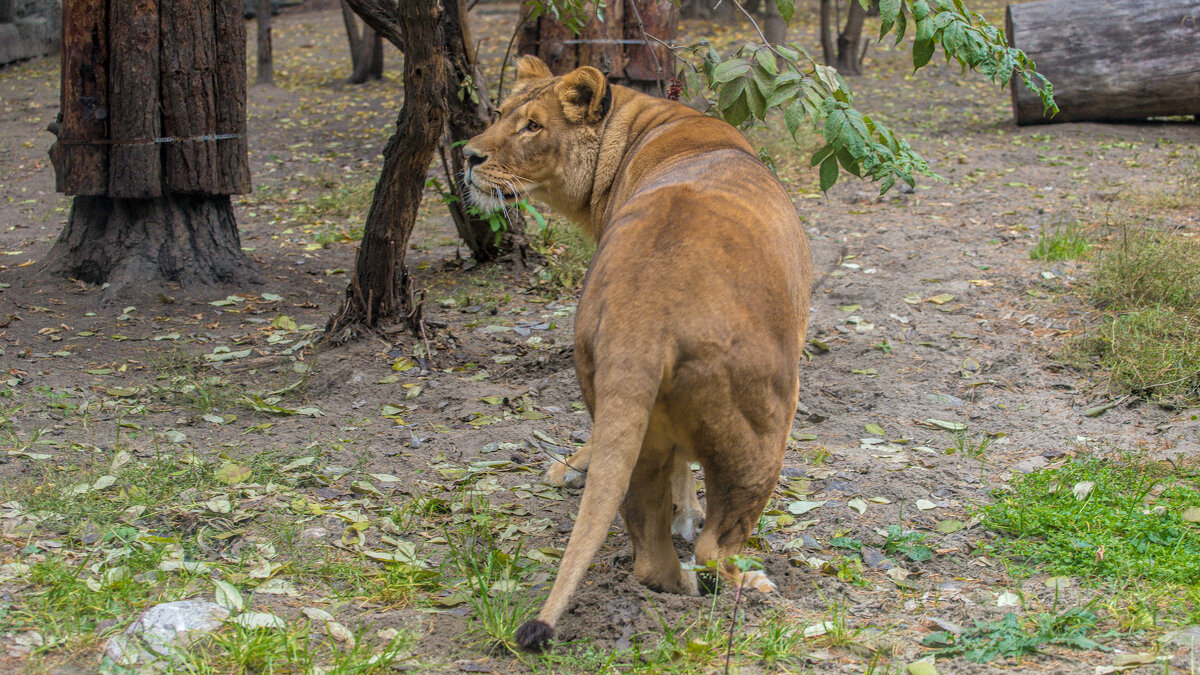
pixel 774 27
pixel 80 163
pixel 152 143
pixel 649 66
pixel 468 115
pixel 366 49
pixel 134 168
pixel 708 10
pixel 828 25
pixel 849 54
pixel 134 245
pixel 1109 60
pixel 379 290
pixel 266 70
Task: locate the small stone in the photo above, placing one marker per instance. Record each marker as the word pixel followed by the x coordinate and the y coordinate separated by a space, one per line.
pixel 1030 465
pixel 316 533
pixel 159 628
pixel 873 557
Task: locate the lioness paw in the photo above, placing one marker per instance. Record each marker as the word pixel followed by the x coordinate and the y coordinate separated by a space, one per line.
pixel 758 580
pixel 687 524
pixel 560 474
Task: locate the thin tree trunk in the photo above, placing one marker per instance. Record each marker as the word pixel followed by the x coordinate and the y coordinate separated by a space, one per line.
pixel 266 70
pixel 849 56
pixel 366 49
pixel 379 290
pixel 468 115
pixel 828 49
pixel 774 27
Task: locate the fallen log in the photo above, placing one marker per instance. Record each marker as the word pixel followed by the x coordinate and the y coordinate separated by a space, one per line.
pixel 1109 60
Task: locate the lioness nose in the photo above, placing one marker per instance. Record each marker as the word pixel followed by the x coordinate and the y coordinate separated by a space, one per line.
pixel 474 157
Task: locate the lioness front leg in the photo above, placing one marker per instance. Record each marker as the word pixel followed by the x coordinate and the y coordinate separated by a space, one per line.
pixel 572 472
pixel 689 517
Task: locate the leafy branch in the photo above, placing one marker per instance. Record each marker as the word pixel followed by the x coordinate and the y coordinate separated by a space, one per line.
pixel 760 77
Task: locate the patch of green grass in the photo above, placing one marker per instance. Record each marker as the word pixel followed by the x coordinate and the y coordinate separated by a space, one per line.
pixel 1144 268
pixel 181 381
pixel 1012 637
pixel 1066 241
pixel 567 253
pixel 491 577
pixel 66 602
pixel 1148 287
pixel 300 648
pixel 1151 351
pixel 1114 519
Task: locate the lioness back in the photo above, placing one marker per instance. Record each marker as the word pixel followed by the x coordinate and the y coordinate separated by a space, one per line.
pixel 689 331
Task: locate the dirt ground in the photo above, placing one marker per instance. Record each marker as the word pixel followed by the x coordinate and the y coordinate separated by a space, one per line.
pixel 928 308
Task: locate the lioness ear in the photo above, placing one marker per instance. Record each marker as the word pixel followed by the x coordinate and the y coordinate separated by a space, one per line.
pixel 532 68
pixel 585 95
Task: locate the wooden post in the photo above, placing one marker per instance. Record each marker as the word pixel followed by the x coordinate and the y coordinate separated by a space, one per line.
pixel 650 63
pixel 134 169
pixel 1109 59
pixel 266 71
pixel 81 166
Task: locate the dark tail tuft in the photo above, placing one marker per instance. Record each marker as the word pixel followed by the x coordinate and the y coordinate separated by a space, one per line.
pixel 534 635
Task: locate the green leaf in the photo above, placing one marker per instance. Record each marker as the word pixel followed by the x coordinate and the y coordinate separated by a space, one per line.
pixel 820 155
pixel 738 112
pixel 888 9
pixel 766 59
pixel 730 92
pixel 829 173
pixel 231 473
pixel 730 70
pixel 228 596
pixel 901 24
pixel 922 52
pixel 786 9
pixel 793 117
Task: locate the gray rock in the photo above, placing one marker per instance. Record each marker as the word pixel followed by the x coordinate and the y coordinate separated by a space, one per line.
pixel 873 557
pixel 150 639
pixel 1030 465
pixel 1188 636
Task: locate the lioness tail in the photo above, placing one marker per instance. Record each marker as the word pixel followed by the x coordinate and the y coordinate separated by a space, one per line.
pixel 622 413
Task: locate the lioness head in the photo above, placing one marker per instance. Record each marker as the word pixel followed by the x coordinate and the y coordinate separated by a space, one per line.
pixel 544 143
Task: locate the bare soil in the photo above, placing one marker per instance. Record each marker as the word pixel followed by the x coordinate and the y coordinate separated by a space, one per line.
pixel 928 307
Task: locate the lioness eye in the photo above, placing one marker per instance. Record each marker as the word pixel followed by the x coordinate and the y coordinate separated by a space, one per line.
pixel 532 126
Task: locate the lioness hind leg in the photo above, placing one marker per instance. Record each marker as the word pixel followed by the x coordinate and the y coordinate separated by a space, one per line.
pixel 736 497
pixel 573 471
pixel 647 511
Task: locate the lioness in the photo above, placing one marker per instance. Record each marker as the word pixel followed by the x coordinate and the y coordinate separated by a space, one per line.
pixel 690 330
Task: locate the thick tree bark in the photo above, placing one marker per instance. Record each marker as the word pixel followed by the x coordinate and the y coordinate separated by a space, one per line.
pixel 233 174
pixel 134 245
pixel 650 63
pixel 152 142
pixel 266 69
pixel 379 289
pixel 134 168
pixel 80 163
pixel 1109 60
pixel 366 48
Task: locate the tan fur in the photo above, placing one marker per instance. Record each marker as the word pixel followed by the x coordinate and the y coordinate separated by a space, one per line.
pixel 689 333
